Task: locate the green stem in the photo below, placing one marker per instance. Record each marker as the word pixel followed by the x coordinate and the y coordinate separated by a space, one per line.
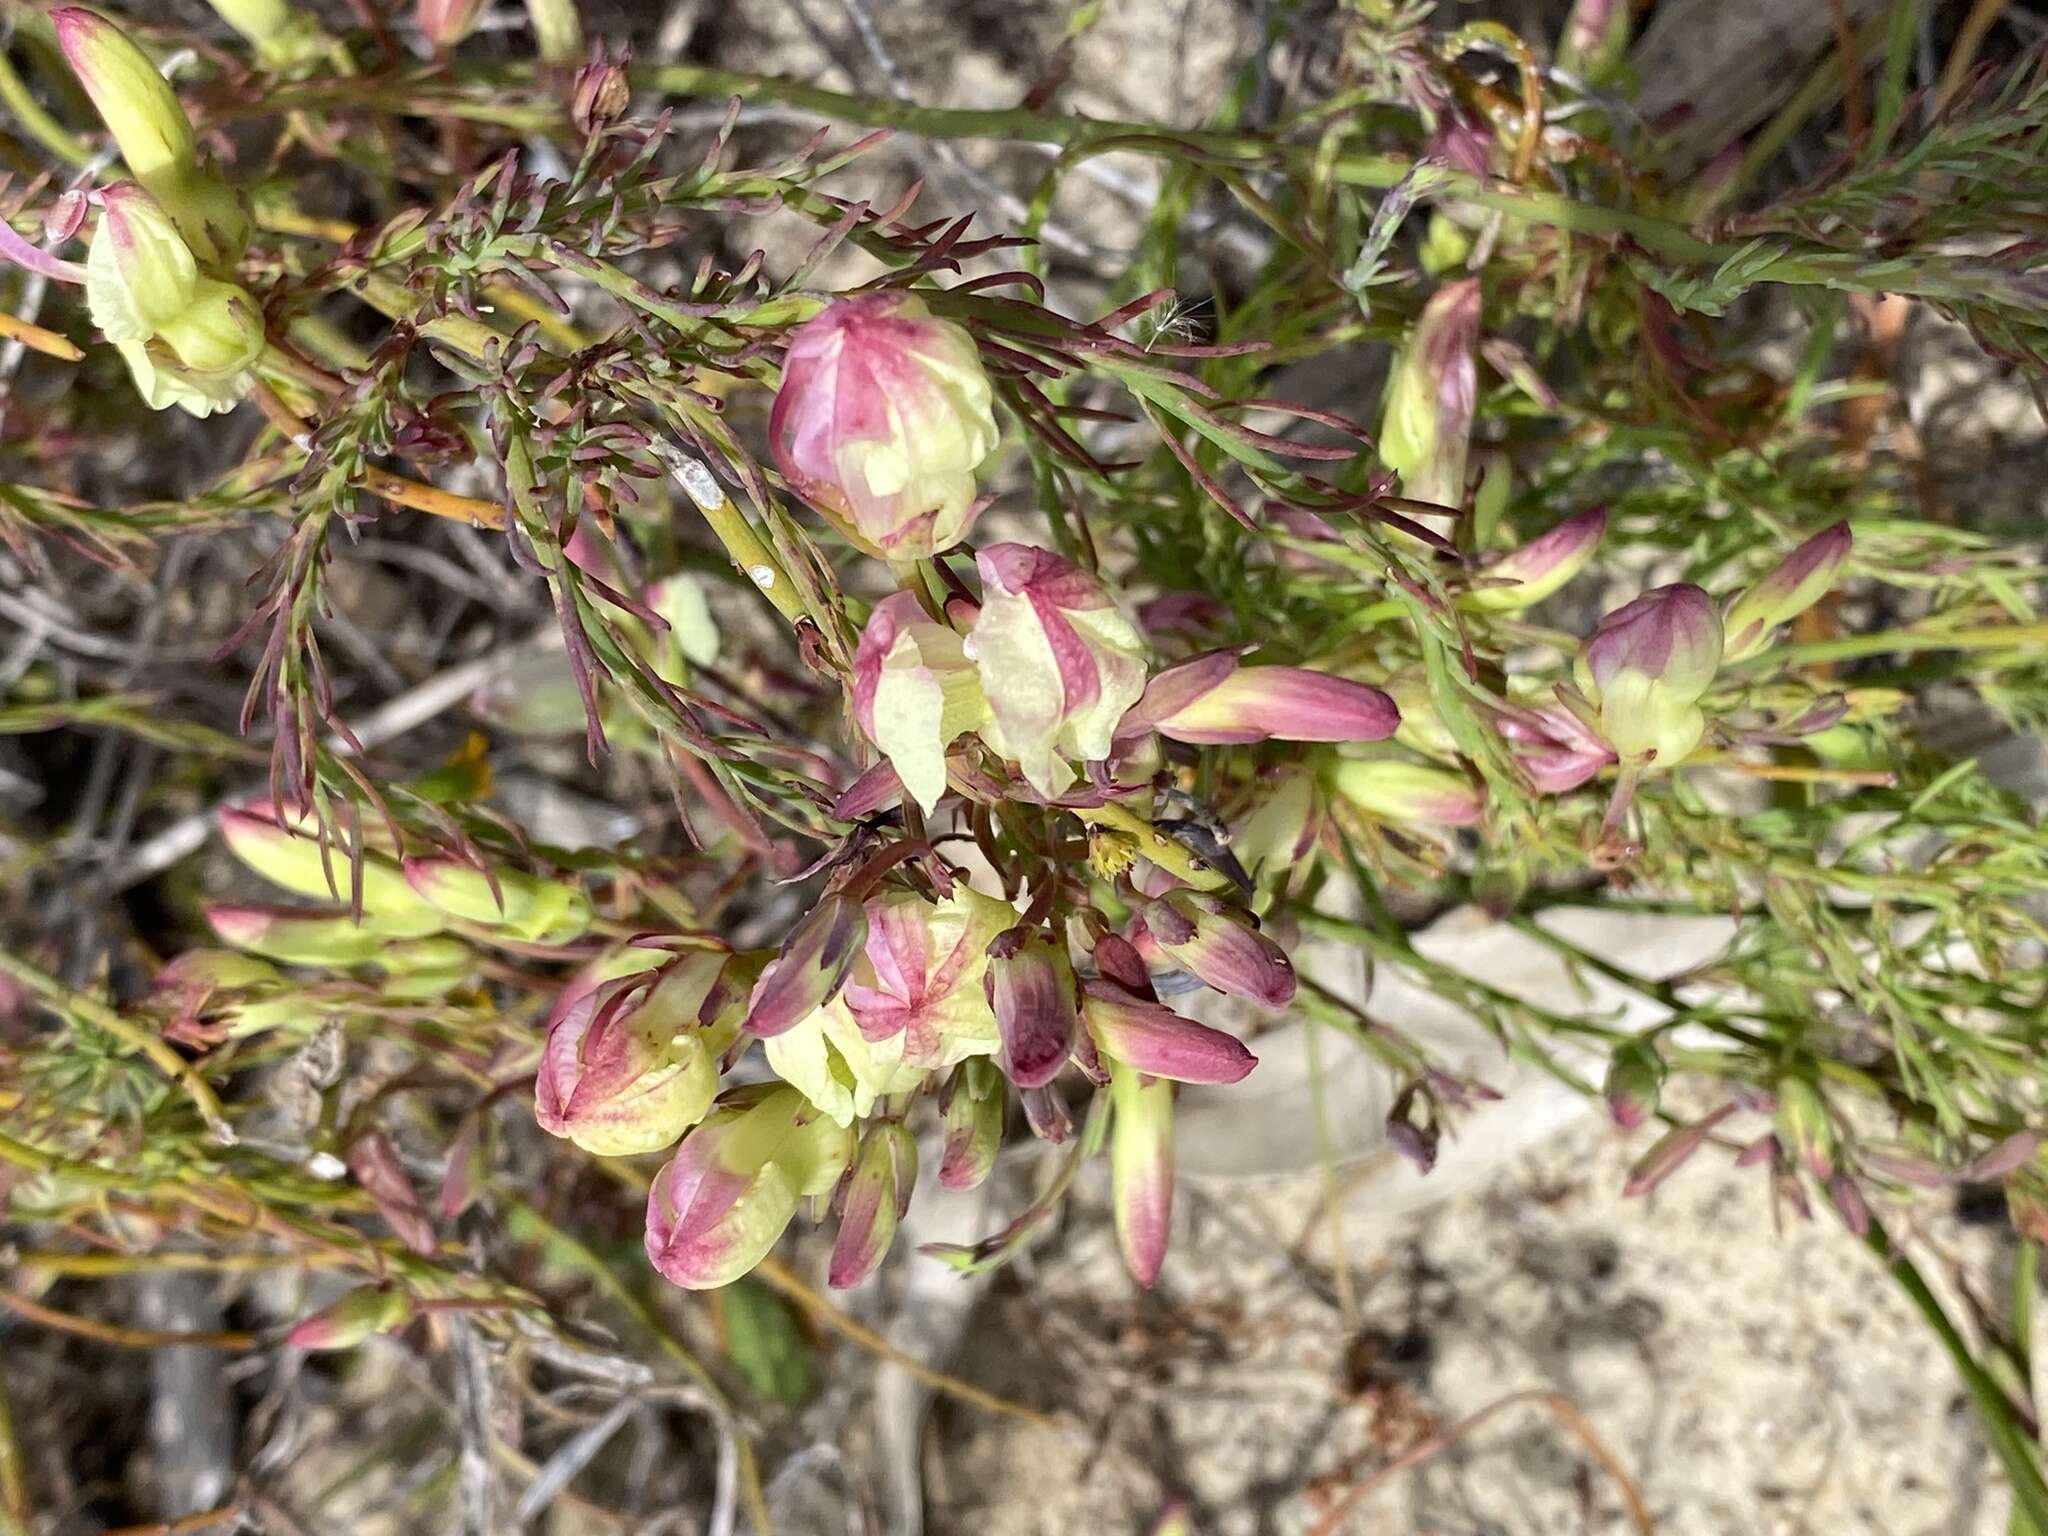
pixel 45 129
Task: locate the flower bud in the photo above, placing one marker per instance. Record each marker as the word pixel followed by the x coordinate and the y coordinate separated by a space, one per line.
pixel 1648 665
pixel 1594 44
pixel 1554 747
pixel 444 23
pixel 971 1118
pixel 1527 575
pixel 1222 946
pixel 294 936
pixel 1635 1078
pixel 1030 987
pixel 1155 1040
pixel 151 131
pixel 345 1323
pixel 914 692
pixel 810 968
pixel 601 95
pixel 205 995
pixel 1215 701
pixel 1422 727
pixel 541 911
pixel 877 1194
pixel 1798 581
pixel 1141 1167
pixel 281 34
pixel 1059 663
pixel 735 1183
pixel 1427 425
pixel 1283 824
pixel 1406 793
pixel 632 1066
pixel 297 860
pixel 1805 1126
pixel 882 418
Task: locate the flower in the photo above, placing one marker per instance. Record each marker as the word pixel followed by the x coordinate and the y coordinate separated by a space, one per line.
pixel 914 1003
pixel 1794 585
pixel 1554 747
pixel 188 339
pixel 1058 662
pixel 881 421
pixel 1407 792
pixel 630 1067
pixel 1221 946
pixel 876 1194
pixel 1215 701
pixel 1030 988
pixel 1427 425
pixel 914 692
pixel 1527 575
pixel 1153 1039
pixel 735 1183
pixel 152 133
pixel 1647 666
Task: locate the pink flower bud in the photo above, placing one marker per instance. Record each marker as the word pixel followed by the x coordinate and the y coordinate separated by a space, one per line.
pixel 914 692
pixel 1798 581
pixel 810 968
pixel 971 1117
pixel 151 131
pixel 1222 946
pixel 1528 575
pixel 290 853
pixel 1805 1126
pixel 1635 1078
pixel 633 1065
pixel 876 1195
pixel 444 23
pixel 1155 1040
pixel 735 1183
pixel 1030 987
pixel 1427 426
pixel 1046 1113
pixel 345 1323
pixel 1406 793
pixel 1059 663
pixel 1215 701
pixel 882 418
pixel 1141 1168
pixel 294 936
pixel 1648 665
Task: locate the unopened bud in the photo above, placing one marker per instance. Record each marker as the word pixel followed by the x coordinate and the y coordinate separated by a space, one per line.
pixel 971 1117
pixel 1799 581
pixel 345 1323
pixel 876 1196
pixel 1635 1079
pixel 1030 987
pixel 1155 1040
pixel 294 858
pixel 1427 426
pixel 1141 1167
pixel 1647 665
pixel 1222 945
pixel 1528 575
pixel 444 23
pixel 1805 1126
pixel 810 968
pixel 1216 701
pixel 281 34
pixel 294 936
pixel 542 911
pixel 1408 794
pixel 601 95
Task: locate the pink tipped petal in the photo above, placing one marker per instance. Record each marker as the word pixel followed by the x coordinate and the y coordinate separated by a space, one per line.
pixel 867 1224
pixel 1159 1042
pixel 1031 990
pixel 1543 565
pixel 811 967
pixel 1223 948
pixel 1141 1169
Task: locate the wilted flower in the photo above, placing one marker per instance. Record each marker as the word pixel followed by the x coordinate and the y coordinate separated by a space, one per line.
pixel 188 339
pixel 1541 566
pixel 810 968
pixel 1030 988
pixel 1215 700
pixel 1647 667
pixel 1408 793
pixel 152 133
pixel 720 1204
pixel 914 691
pixel 1153 1039
pixel 913 1004
pixel 971 1119
pixel 1798 581
pixel 630 1067
pixel 1059 663
pixel 1141 1167
pixel 1427 425
pixel 1554 747
pixel 1222 946
pixel 875 1196
pixel 882 418
pixel 601 95
pixel 530 908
